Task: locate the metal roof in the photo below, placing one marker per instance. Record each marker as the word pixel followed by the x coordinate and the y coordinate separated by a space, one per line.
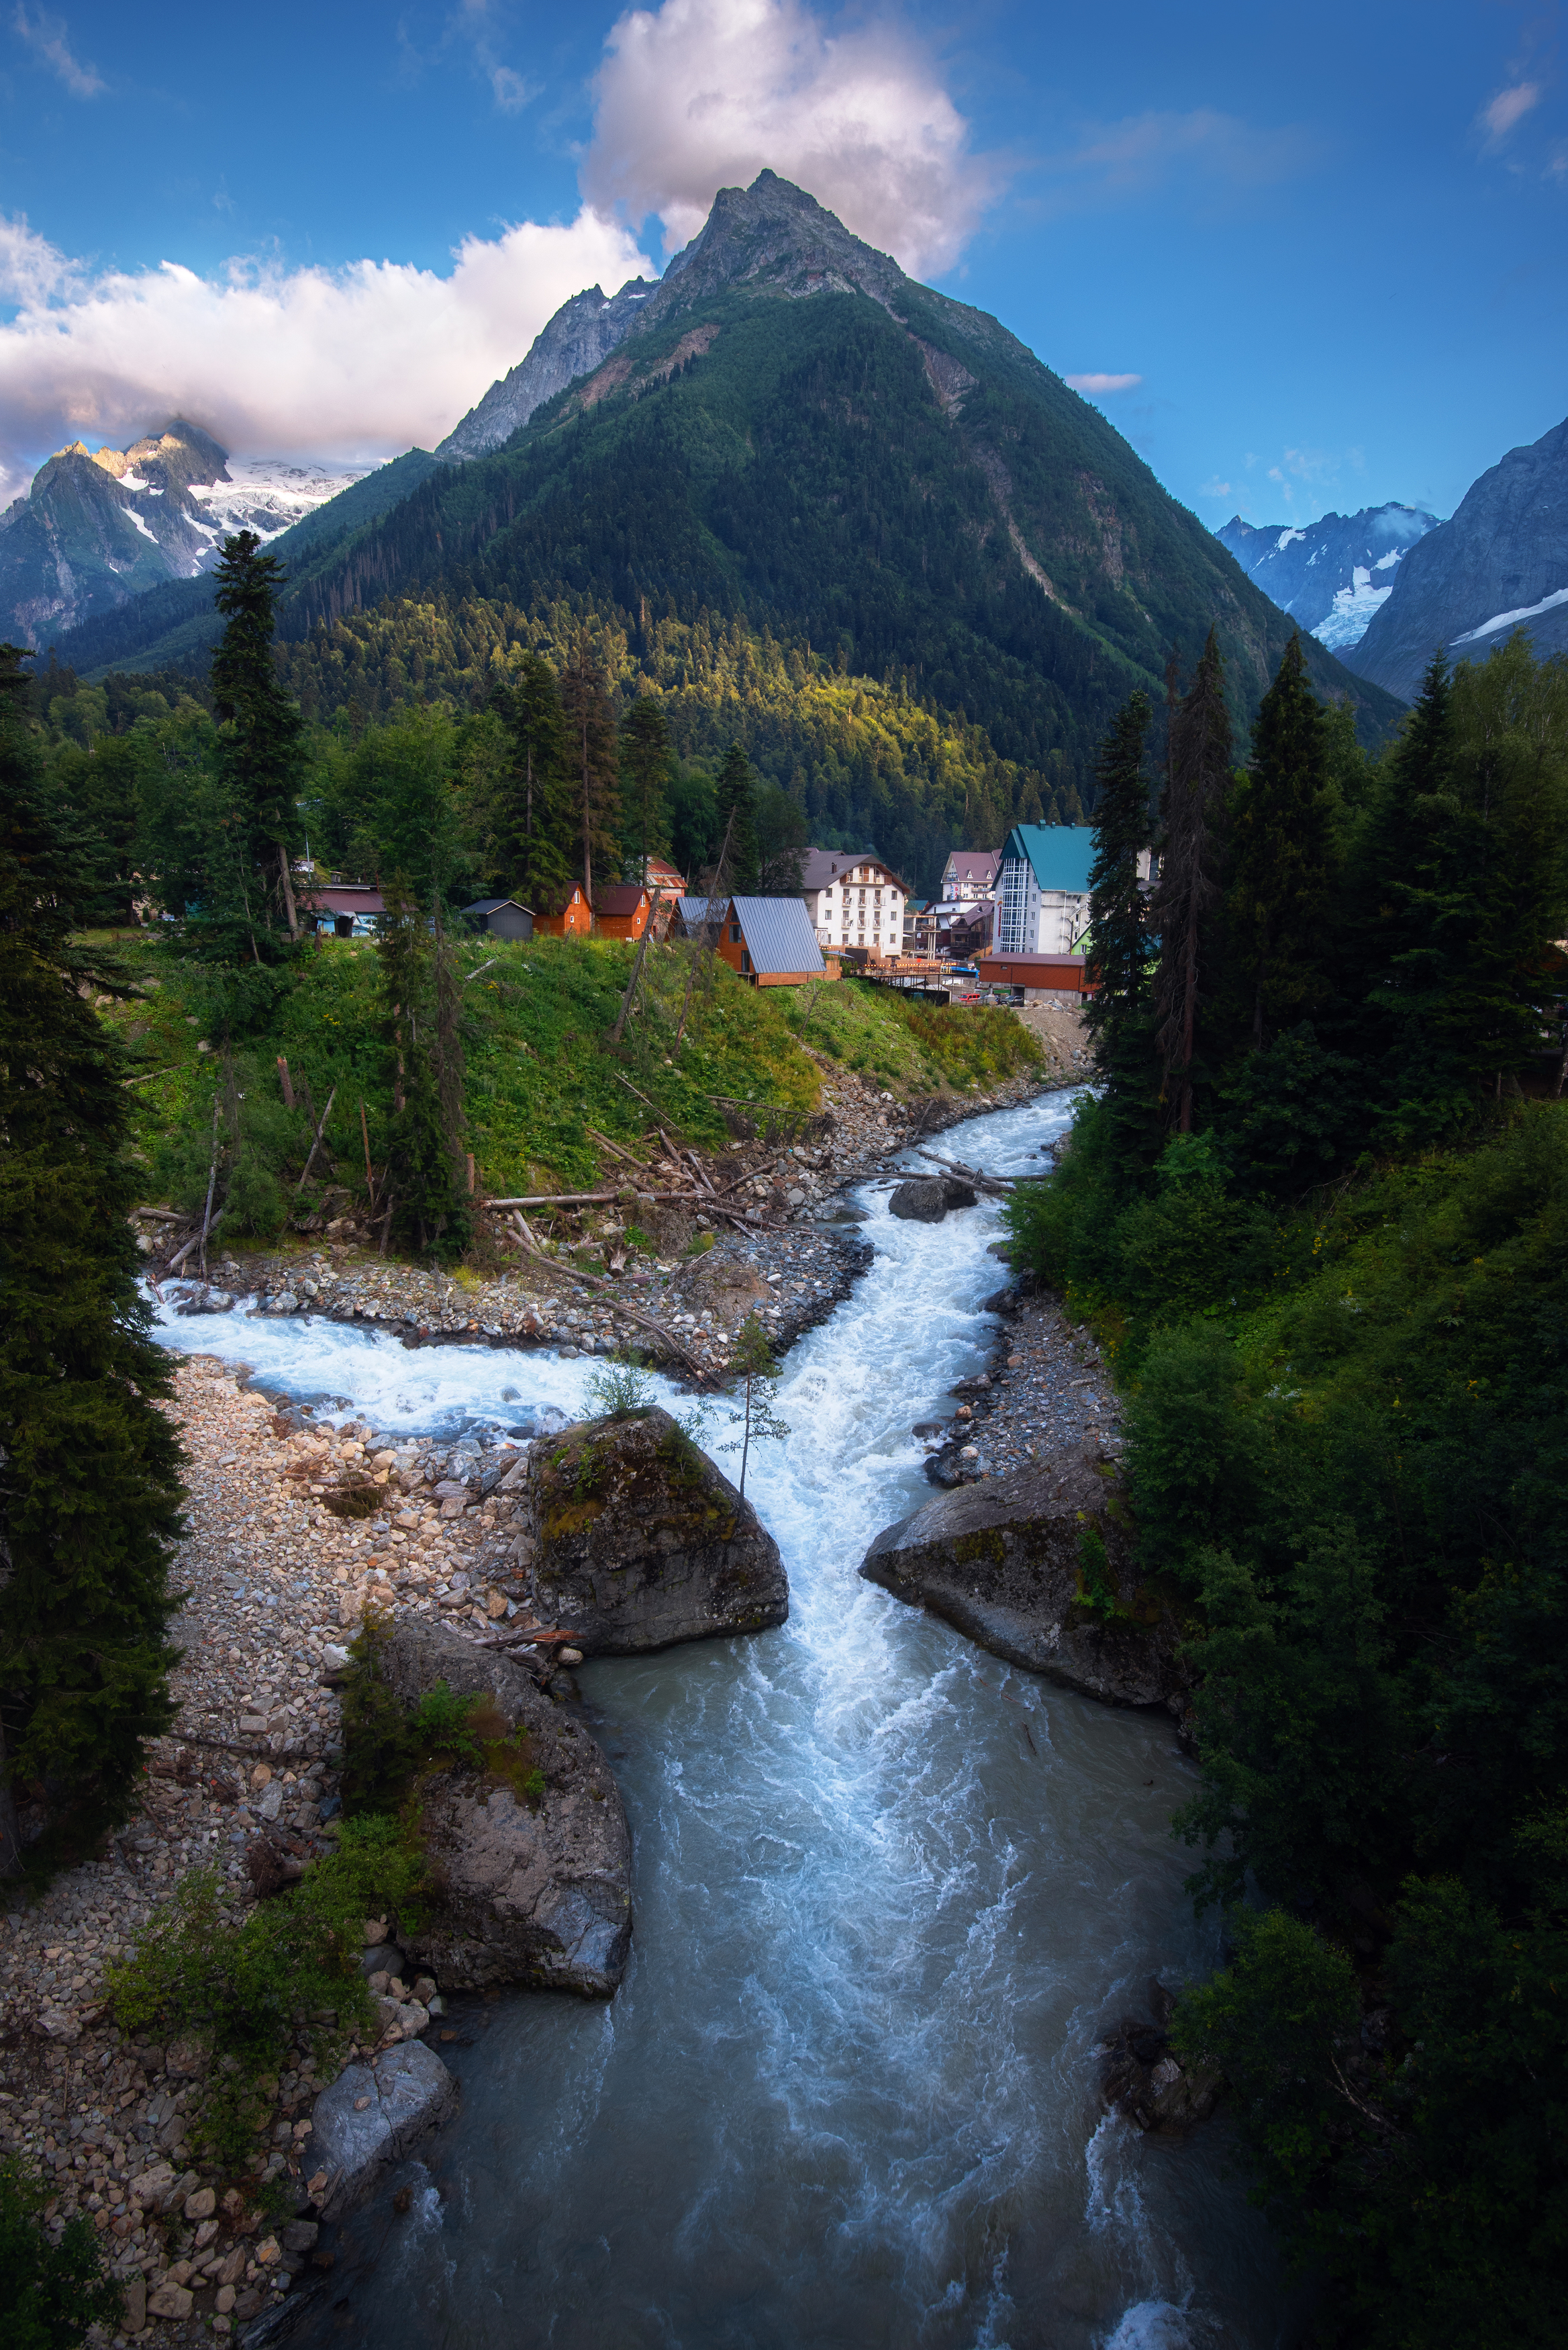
pixel 491 905
pixel 695 911
pixel 778 934
pixel 820 866
pixel 618 898
pixel 975 864
pixel 1060 854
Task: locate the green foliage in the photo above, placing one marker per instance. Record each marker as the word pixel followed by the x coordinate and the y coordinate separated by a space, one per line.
pixel 89 1489
pixel 49 2293
pixel 752 1360
pixel 619 1385
pixel 246 1984
pixel 388 1748
pixel 1120 961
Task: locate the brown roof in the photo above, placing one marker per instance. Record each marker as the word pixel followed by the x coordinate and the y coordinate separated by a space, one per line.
pixel 618 898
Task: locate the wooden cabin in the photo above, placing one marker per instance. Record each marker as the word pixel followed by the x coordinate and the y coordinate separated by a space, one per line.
pixel 621 909
pixel 575 919
pixel 770 943
pixel 500 918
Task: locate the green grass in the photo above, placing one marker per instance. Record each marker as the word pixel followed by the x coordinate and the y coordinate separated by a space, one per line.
pixel 542 1076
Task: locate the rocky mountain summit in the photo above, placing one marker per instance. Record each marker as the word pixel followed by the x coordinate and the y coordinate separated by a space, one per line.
pixel 1332 575
pixel 579 338
pixel 1500 563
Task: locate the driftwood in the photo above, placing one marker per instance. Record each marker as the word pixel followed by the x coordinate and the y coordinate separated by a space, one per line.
pixel 316 1144
pixel 1000 1184
pixel 630 1313
pixel 212 1180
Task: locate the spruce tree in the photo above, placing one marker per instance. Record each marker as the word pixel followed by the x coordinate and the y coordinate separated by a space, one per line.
pixel 591 762
pixel 1284 860
pixel 645 760
pixel 735 803
pixel 89 1487
pixel 260 749
pixel 1119 963
pixel 1198 778
pixel 531 831
pixel 428 1205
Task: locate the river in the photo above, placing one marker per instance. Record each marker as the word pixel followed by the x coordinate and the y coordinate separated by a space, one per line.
pixel 888 1892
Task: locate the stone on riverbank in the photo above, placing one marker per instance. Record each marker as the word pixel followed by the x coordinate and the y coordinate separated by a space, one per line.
pixel 926 1198
pixel 371 2115
pixel 534 1875
pixel 636 1540
pixel 1005 1562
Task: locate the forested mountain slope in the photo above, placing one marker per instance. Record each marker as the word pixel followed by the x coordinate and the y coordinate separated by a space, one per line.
pixel 798 462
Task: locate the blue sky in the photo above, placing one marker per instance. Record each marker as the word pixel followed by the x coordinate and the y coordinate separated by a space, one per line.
pixel 1329 245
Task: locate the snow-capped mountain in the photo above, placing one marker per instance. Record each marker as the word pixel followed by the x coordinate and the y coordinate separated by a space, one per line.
pixel 1500 563
pixel 1331 575
pixel 99 526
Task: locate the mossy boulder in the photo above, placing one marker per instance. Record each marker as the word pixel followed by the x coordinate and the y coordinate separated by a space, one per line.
pixel 1038 1567
pixel 530 1857
pixel 634 1540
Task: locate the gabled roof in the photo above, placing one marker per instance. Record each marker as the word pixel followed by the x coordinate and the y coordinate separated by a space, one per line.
pixel 1060 854
pixel 494 905
pixel 618 898
pixel 820 866
pixel 778 934
pixel 975 864
pixel 694 911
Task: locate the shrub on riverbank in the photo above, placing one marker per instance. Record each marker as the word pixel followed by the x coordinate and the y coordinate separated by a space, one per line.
pixel 51 2293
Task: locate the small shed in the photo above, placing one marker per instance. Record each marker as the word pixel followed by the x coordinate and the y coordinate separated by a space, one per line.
pixel 622 908
pixel 344 909
pixel 500 918
pixel 575 919
pixel 771 942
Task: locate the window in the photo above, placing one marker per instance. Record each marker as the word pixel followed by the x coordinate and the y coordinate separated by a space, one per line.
pixel 734 935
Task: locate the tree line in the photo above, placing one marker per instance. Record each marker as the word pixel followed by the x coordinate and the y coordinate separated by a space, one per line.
pixel 1318 1208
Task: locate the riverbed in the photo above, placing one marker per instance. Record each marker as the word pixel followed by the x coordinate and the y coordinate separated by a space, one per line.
pixel 888 1893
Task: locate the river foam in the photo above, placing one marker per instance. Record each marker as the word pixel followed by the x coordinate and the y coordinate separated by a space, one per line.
pixel 888 1892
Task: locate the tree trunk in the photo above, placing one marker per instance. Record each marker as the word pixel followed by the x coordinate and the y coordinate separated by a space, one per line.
pixel 288 881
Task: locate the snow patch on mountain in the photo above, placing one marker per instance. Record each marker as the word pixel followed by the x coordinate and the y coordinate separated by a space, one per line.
pixel 1515 619
pixel 265 494
pixel 1321 572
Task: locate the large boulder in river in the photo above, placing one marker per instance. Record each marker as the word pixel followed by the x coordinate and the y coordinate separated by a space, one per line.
pixel 1037 1567
pixel 926 1198
pixel 634 1540
pixel 531 1859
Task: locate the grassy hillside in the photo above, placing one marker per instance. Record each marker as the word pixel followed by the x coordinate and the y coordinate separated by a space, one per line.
pixel 541 1075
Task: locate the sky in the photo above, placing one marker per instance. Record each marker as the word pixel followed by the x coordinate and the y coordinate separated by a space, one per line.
pixel 1304 259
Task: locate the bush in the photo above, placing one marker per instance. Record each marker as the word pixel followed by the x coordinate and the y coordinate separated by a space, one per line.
pixel 49 2293
pixel 389 1749
pixel 248 1985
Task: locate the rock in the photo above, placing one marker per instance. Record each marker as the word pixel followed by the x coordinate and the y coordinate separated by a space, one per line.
pixel 382 1958
pixel 150 2187
pixel 373 2114
pixel 171 2301
pixel 286 1301
pixel 535 1873
pixel 926 1198
pixel 270 1802
pixel 641 1541
pixel 202 2204
pixel 135 2316
pixel 1003 1562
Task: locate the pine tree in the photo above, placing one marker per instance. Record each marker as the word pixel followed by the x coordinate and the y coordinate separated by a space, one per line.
pixel 591 762
pixel 735 804
pixel 428 1205
pixel 1284 859
pixel 259 738
pixel 645 759
pixel 1119 966
pixel 1198 778
pixel 90 1492
pixel 752 1360
pixel 531 831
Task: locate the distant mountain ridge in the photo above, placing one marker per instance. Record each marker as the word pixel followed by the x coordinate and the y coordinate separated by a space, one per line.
pixel 1331 575
pixel 579 338
pixel 97 529
pixel 1500 563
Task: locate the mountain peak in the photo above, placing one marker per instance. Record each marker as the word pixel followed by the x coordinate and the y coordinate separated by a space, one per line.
pixel 776 233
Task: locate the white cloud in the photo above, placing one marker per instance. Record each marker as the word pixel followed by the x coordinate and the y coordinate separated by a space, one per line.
pixel 1096 386
pixel 50 38
pixel 351 363
pixel 1508 107
pixel 1142 151
pixel 1215 488
pixel 702 94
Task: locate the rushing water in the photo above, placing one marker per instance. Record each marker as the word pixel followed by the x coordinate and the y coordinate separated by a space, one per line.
pixel 888 1893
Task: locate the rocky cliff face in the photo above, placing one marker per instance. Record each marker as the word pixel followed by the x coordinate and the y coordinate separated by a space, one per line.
pixel 1332 576
pixel 634 1540
pixel 1037 1567
pixel 771 234
pixel 1502 563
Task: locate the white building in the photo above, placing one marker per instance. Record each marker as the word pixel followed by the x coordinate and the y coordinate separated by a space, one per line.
pixel 853 900
pixel 1043 890
pixel 970 874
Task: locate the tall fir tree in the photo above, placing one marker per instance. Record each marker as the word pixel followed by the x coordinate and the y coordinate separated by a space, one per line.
pixel 428 1203
pixel 90 1468
pixel 260 747
pixel 1285 861
pixel 592 763
pixel 645 763
pixel 531 818
pixel 735 803
pixel 1198 779
pixel 1118 1013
